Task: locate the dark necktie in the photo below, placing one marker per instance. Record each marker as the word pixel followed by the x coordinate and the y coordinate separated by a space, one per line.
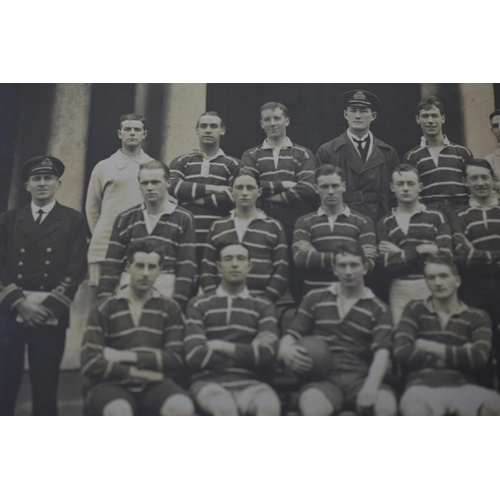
pixel 363 151
pixel 39 218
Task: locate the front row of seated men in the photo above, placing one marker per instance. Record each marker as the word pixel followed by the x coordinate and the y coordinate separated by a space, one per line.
pixel 137 344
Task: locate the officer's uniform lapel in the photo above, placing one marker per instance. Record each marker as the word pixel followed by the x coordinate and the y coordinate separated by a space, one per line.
pixel 32 230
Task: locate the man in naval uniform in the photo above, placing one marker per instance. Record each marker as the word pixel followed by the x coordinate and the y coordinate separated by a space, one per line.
pixel 43 249
pixel 366 161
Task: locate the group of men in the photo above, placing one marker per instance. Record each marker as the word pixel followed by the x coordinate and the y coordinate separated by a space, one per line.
pixel 189 261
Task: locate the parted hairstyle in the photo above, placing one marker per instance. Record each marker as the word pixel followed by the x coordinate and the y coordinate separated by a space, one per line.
pixel 405 168
pixel 478 162
pixel 132 116
pixel 428 102
pixel 328 169
pixel 144 246
pixel 274 105
pixel 154 165
pixel 495 113
pixel 211 113
pixel 228 244
pixel 349 247
pixel 245 171
pixel 444 259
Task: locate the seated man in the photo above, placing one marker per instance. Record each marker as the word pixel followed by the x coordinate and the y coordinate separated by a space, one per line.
pixel 133 345
pixel 316 234
pixel 440 342
pixel 407 235
pixel 357 327
pixel 200 179
pixel 264 237
pixel 230 339
pixel 161 220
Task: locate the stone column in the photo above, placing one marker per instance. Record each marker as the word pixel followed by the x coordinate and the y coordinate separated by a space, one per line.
pixel 183 104
pixel 141 98
pixel 68 139
pixel 478 101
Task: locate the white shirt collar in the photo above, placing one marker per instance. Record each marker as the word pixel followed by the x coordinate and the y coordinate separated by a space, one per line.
pixel 220 292
pixel 46 209
pixel 474 204
pixel 219 153
pixel 429 303
pixel 334 288
pixel 356 138
pixel 288 144
pixel 420 208
pixel 346 211
pixel 423 142
pixel 261 214
pixel 171 206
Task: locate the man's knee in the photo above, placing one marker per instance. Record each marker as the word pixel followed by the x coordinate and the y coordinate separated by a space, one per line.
pixel 268 404
pixel 177 405
pixel 312 402
pixel 412 404
pixel 118 408
pixel 386 404
pixel 491 406
pixel 217 401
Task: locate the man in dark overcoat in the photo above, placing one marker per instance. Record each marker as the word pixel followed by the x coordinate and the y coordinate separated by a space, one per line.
pixel 43 249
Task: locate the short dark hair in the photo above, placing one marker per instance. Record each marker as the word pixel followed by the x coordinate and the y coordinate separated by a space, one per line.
pixel 273 105
pixel 211 113
pixel 156 165
pixel 428 102
pixel 245 171
pixel 495 113
pixel 443 259
pixel 404 167
pixel 145 246
pixel 133 116
pixel 350 247
pixel 478 162
pixel 328 169
pixel 228 244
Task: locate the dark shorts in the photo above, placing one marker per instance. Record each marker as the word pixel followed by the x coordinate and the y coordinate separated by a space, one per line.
pixel 145 402
pixel 342 388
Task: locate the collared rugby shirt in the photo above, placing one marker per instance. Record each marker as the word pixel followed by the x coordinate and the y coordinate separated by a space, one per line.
pixel 266 240
pixel 353 338
pixel 467 325
pixel 315 228
pixel 476 236
pixel 444 180
pixel 157 339
pixel 174 231
pixel 189 175
pixel 426 226
pixel 295 163
pixel 247 321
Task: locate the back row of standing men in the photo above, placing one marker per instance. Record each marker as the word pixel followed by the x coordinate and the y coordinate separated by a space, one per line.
pixel 357 169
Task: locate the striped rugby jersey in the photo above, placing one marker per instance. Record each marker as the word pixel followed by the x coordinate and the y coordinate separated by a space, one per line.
pixel 246 320
pixel 315 228
pixel 295 163
pixel 353 338
pixel 266 240
pixel 157 339
pixel 467 325
pixel 476 236
pixel 189 174
pixel 426 226
pixel 444 180
pixel 174 231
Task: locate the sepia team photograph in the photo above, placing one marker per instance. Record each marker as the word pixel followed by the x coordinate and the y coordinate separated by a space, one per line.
pixel 258 249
